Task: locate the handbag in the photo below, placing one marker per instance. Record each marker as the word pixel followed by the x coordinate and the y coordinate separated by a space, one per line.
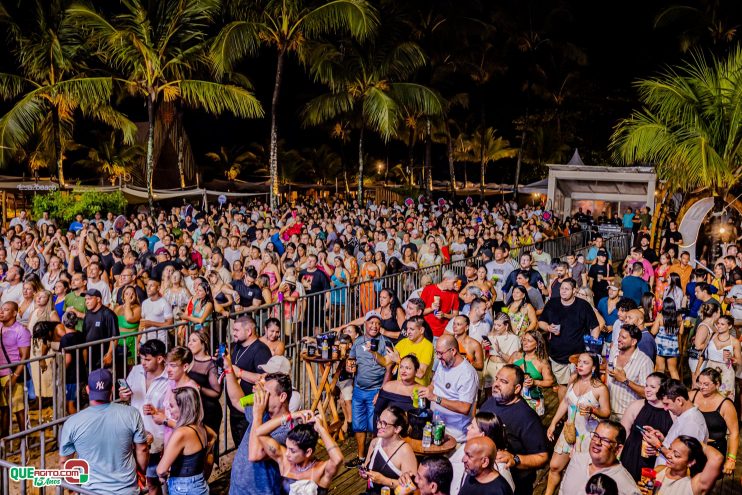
pixel 570 432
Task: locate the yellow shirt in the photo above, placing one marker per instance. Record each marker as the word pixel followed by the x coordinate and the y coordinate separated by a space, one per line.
pixel 423 351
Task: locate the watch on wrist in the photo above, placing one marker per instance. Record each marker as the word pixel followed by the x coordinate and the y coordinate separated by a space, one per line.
pixel 438 400
pixel 626 382
pixel 516 459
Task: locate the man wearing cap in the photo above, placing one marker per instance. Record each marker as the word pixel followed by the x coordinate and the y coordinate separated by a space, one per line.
pixel 109 436
pixel 100 322
pixel 368 350
pixel 281 365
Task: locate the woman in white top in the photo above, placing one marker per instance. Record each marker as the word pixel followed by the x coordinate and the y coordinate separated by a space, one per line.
pixel 686 454
pixel 723 352
pixel 585 404
pixel 501 344
pixel 484 424
pixel 43 310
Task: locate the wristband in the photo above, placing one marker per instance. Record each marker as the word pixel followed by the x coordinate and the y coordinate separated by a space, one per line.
pixel 227 371
pixel 732 457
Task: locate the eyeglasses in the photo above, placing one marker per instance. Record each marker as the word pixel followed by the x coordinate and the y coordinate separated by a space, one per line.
pixel 383 424
pixel 603 441
pixel 441 353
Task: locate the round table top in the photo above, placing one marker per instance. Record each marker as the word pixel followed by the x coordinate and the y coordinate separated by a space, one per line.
pixel 317 358
pixel 449 445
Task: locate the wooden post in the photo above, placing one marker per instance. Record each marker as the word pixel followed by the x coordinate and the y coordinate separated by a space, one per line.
pixel 3 197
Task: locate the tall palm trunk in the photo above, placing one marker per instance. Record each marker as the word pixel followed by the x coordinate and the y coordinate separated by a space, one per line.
pixel 58 145
pixel 150 165
pixel 411 155
pixel 483 169
pixel 428 159
pixel 516 183
pixel 273 165
pixel 451 170
pixel 360 168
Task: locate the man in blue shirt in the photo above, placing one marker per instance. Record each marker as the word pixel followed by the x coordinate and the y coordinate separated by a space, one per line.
pixel 109 436
pixel 634 285
pixel 253 472
pixel 628 219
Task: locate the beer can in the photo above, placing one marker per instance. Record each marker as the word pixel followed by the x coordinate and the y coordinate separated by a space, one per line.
pixel 385 490
pixel 439 433
pixel 644 449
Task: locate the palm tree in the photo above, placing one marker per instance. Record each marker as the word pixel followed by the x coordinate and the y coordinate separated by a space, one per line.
pixel 110 157
pixel 287 25
pixel 49 89
pixel 157 51
pixel 688 125
pixel 370 86
pixel 231 160
pixel 487 148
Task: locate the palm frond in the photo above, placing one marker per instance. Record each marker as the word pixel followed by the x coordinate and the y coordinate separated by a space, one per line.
pixel 234 41
pixel 216 98
pixel 359 17
pixel 19 124
pixel 380 112
pixel 326 107
pixel 12 85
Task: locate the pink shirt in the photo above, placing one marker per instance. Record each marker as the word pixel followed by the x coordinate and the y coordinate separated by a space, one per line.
pixel 13 338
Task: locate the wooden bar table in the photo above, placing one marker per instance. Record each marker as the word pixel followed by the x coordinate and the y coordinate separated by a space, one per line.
pixel 322 385
pixel 449 445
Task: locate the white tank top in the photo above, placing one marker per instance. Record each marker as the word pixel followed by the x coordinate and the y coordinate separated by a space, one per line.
pixel 680 486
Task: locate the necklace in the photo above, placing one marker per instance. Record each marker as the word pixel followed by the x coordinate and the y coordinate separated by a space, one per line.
pixel 727 340
pixel 242 352
pixel 305 469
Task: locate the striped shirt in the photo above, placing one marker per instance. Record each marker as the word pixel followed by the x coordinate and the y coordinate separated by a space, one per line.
pixel 637 370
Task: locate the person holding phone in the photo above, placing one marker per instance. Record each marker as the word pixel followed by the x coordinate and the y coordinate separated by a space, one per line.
pixel 144 389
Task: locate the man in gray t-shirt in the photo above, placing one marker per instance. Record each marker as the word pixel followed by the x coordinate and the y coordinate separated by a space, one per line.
pixel 109 436
pixel 368 350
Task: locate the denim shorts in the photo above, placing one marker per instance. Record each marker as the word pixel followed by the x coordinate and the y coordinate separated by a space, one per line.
pixel 70 392
pixel 154 460
pixel 363 409
pixel 188 485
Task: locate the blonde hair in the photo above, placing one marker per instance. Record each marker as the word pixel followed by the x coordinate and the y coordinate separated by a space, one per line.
pixel 189 403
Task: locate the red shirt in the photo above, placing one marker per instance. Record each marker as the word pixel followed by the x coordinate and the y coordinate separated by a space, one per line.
pixel 449 303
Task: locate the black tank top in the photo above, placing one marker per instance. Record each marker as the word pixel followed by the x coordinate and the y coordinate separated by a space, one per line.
pixel 717 427
pixel 187 465
pixel 631 458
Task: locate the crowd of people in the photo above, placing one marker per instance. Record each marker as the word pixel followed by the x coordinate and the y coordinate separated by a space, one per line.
pixel 185 315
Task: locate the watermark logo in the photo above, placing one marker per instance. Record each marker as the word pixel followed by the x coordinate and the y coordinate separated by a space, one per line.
pixel 75 471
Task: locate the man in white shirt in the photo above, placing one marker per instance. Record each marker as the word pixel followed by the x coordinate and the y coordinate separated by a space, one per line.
pixel 147 388
pixel 499 267
pixel 688 419
pixel 734 298
pixel 628 368
pixel 95 282
pixel 478 325
pixel 13 287
pixel 454 388
pixel 156 313
pixel 602 457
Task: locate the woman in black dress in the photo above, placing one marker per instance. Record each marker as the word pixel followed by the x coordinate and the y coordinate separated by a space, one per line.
pixel 203 371
pixel 643 412
pixel 600 275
